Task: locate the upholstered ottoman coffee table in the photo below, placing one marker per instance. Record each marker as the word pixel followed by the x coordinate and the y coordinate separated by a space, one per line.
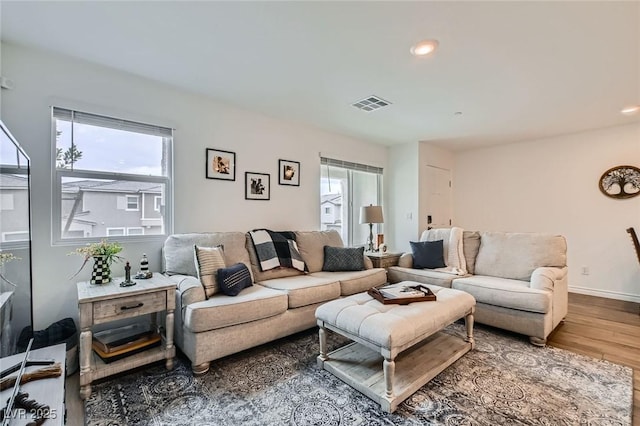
pixel 396 348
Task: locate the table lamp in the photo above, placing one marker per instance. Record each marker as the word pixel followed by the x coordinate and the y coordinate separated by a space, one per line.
pixel 371 214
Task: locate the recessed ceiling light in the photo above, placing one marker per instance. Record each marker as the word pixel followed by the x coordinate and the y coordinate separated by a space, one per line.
pixel 630 110
pixel 425 47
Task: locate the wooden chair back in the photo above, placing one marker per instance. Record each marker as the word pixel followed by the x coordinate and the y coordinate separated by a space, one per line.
pixel 636 244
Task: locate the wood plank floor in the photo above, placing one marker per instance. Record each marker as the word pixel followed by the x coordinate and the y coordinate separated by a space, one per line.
pixel 601 328
pixel 604 329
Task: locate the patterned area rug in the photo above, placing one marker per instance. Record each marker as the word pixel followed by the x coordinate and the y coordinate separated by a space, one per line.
pixel 504 381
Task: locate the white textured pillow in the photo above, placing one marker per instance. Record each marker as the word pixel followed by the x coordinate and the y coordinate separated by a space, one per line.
pixel 208 260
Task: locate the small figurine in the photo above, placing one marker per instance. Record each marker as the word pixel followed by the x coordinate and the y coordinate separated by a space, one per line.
pixel 144 272
pixel 127 277
pixel 144 263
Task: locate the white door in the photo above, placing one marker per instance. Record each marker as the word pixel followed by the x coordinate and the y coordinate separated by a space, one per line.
pixel 438 197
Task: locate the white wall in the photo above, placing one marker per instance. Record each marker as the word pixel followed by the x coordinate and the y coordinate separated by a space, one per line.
pixel 42 79
pixel 551 185
pixel 401 188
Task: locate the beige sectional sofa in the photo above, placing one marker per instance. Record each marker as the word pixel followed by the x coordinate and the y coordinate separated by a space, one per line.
pixel 519 280
pixel 280 302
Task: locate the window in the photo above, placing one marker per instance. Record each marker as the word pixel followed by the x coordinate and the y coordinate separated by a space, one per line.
pixel 15 236
pixel 115 232
pixel 132 202
pixel 135 230
pixel 102 166
pixel 346 187
pixel 157 203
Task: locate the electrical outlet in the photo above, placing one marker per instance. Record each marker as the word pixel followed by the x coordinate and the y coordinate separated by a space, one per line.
pixel 584 270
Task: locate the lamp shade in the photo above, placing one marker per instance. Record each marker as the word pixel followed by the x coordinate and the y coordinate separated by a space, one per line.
pixel 371 214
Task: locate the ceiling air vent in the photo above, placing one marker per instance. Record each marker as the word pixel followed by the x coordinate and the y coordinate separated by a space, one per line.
pixel 371 103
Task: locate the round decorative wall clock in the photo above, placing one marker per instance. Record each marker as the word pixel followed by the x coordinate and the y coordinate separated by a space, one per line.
pixel 620 182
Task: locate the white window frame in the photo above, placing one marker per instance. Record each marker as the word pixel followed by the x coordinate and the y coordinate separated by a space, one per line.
pixel 347 199
pixel 131 228
pixel 58 174
pixel 157 202
pixel 5 234
pixel 116 228
pixel 137 200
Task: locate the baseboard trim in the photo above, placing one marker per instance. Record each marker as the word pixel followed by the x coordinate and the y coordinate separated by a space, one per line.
pixel 605 293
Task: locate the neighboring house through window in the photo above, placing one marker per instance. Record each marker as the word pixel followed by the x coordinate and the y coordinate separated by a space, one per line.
pixel 132 203
pixel 344 188
pixel 109 174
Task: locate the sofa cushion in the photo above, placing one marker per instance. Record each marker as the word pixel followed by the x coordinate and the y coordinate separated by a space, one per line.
pixel 428 254
pixel 260 275
pixel 424 276
pixel 353 282
pixel 305 289
pixel 311 246
pixel 208 260
pixel 178 250
pixel 234 279
pixel 220 311
pixel 343 259
pixel 470 247
pixel 507 293
pixel 517 255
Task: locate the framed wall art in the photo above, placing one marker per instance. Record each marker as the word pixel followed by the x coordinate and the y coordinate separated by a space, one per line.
pixel 221 164
pixel 257 186
pixel 289 172
pixel 620 182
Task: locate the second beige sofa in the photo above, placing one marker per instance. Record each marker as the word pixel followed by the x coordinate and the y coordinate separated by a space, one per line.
pixel 519 280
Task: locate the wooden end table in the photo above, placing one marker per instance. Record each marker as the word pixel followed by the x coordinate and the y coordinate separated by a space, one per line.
pixel 103 303
pixel 383 260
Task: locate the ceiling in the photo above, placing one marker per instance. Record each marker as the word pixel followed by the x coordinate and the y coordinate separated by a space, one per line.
pixel 514 70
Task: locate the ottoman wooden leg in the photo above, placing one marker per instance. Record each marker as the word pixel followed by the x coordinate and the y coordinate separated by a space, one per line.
pixel 322 334
pixel 389 368
pixel 468 320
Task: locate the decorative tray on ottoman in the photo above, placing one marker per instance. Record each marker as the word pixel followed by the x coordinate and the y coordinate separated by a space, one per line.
pixel 402 295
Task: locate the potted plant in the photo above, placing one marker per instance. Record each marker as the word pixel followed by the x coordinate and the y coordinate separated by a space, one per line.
pixel 4 258
pixel 103 254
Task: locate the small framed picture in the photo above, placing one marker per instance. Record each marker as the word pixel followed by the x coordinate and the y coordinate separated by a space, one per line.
pixel 256 186
pixel 289 172
pixel 221 164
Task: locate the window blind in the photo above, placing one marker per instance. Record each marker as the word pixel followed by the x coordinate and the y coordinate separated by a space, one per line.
pixel 112 123
pixel 350 165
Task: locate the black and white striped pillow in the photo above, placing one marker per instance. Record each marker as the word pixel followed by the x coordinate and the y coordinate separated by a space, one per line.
pixel 208 261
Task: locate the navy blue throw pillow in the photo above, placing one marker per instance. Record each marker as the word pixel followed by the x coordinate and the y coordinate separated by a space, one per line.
pixel 428 254
pixel 234 279
pixel 343 259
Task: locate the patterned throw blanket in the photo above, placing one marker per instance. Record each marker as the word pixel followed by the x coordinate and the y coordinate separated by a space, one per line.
pixel 277 249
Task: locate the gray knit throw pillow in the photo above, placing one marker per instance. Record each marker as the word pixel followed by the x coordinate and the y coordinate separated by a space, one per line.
pixel 343 259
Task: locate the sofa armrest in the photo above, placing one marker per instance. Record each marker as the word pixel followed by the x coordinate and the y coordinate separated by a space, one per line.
pixel 544 278
pixel 188 290
pixel 406 260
